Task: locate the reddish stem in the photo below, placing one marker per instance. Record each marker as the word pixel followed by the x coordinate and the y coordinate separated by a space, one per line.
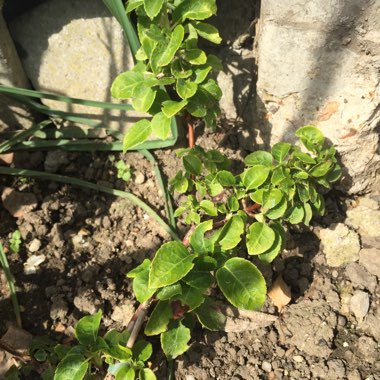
pixel 252 207
pixel 190 129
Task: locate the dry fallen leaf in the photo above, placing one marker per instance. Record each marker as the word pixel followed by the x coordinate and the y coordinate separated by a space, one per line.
pixel 329 109
pixel 280 293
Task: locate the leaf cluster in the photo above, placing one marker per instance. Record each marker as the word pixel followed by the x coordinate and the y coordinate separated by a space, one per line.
pixel 275 189
pixel 169 55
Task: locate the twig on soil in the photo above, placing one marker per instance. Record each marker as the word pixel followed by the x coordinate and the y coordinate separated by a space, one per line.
pixel 138 321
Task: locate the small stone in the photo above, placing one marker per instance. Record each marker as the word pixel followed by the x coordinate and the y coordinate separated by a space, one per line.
pixel 31 265
pixel 337 369
pixel 360 277
pixel 123 313
pixel 369 258
pixel 298 358
pixel 342 321
pixel 345 344
pixel 266 366
pixel 354 375
pixel 139 178
pixel 359 304
pixel 18 203
pixel 335 274
pixel 34 246
pixel 340 245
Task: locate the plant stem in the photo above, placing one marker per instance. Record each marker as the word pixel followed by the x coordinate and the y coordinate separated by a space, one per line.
pixel 89 185
pixel 141 311
pixel 11 283
pixel 190 129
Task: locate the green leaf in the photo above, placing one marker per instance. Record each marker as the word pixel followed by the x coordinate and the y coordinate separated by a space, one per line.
pixel 153 7
pixel 143 98
pixel 186 88
pixel 304 157
pixel 258 196
pixel 296 215
pixel 242 284
pixel 192 164
pixel 125 373
pixel 311 137
pixel 181 69
pixel 169 291
pixel 137 134
pixel 319 204
pixel 142 350
pixel 170 107
pixel 147 374
pixel 321 169
pixel 197 239
pixel 175 42
pixel 272 198
pixel 212 88
pixel 278 211
pixel 175 341
pixel 233 203
pixel 199 279
pixel 161 125
pixel 195 56
pixel 194 10
pixel 208 207
pixel 303 192
pixel 87 328
pixel 179 183
pixel 73 367
pixel 141 287
pixel 145 265
pixel 260 238
pixel 255 176
pixel 278 175
pixel 225 178
pixel 208 32
pixel 171 262
pixel 280 151
pixel 260 157
pixel 133 4
pixel 214 62
pixel 209 315
pixel 159 319
pixel 308 213
pixel 230 235
pixel 125 83
pixel 334 174
pixel 201 73
pixel 192 297
pixel 278 244
pixel 119 352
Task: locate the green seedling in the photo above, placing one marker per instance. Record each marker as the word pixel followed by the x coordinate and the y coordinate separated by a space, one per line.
pixel 227 211
pixel 95 355
pixel 124 171
pixel 15 241
pixel 169 56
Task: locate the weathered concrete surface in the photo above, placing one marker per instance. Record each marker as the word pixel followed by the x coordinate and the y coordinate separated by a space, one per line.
pixel 318 63
pixel 12 113
pixel 78 52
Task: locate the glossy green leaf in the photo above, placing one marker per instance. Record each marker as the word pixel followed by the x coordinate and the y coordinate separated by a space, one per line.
pixel 311 137
pixel 73 367
pixel 87 328
pixel 186 88
pixel 161 125
pixel 141 286
pixel 175 341
pixel 303 192
pixel 147 374
pixel 255 176
pixel 133 4
pixel 278 175
pixel 145 265
pixel 208 32
pixel 259 238
pixel 233 203
pixel 230 235
pixel 212 88
pixel 153 7
pixel 334 174
pixel 308 213
pixel 321 169
pixel 197 239
pixel 304 157
pixel 125 373
pixel 119 352
pixel 171 262
pixel 199 279
pixel 209 316
pixel 296 214
pixel 195 56
pixel 175 42
pixel 277 246
pixel 125 83
pixel 143 98
pixel 208 207
pixel 191 296
pixel 259 157
pixel 242 284
pixel 214 62
pixel 137 134
pixel 195 10
pixel 280 151
pixel 192 164
pixel 159 319
pixel 181 69
pixel 226 178
pixel 272 198
pixel 142 350
pixel 278 211
pixel 319 204
pixel 258 196
pixel 171 107
pixel 201 73
pixel 169 291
